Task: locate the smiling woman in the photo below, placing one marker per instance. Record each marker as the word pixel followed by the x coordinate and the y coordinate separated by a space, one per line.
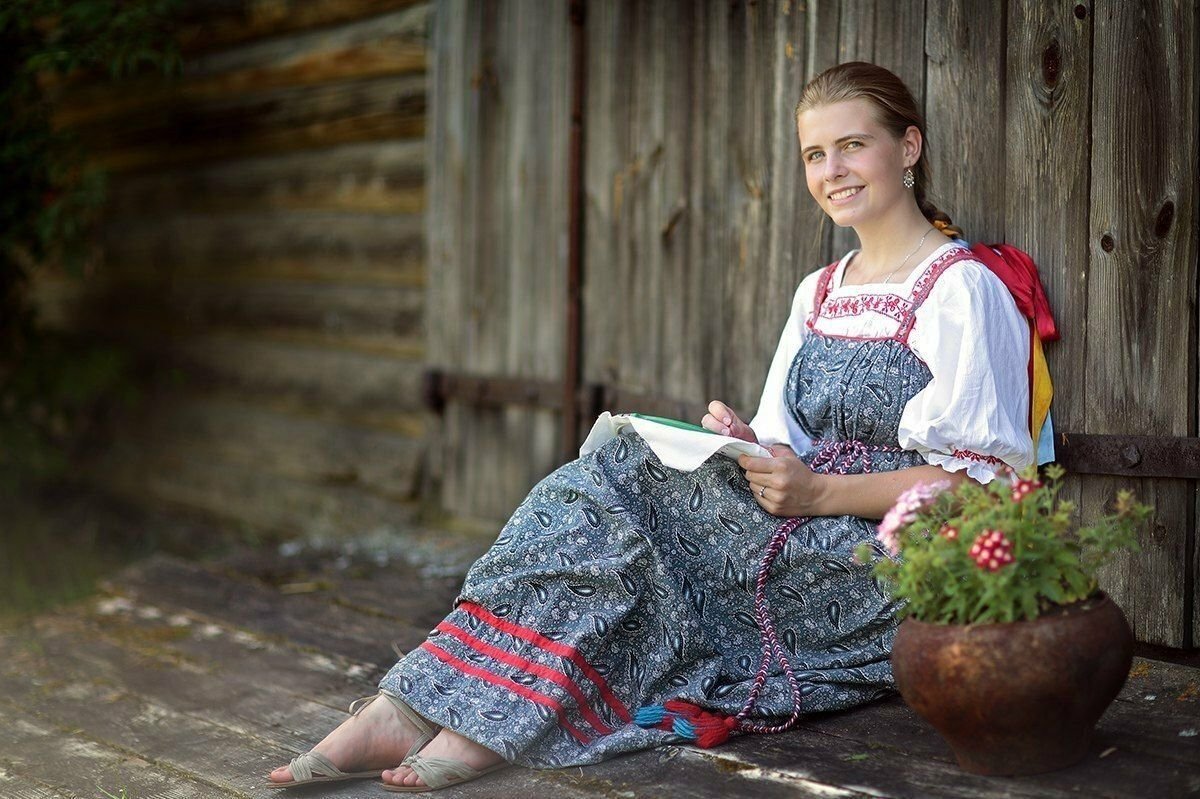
pixel 627 604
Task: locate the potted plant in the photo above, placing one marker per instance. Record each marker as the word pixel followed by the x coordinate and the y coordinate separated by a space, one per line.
pixel 1007 646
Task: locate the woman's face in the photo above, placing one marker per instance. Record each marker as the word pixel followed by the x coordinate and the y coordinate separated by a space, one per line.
pixel 854 166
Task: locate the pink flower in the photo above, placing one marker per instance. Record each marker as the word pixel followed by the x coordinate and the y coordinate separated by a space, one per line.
pixel 904 512
pixel 991 550
pixel 1023 488
pixel 948 532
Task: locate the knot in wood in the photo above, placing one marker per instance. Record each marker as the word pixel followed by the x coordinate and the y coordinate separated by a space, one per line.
pixel 1131 456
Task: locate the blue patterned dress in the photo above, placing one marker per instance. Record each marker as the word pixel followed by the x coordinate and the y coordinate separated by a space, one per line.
pixel 619 582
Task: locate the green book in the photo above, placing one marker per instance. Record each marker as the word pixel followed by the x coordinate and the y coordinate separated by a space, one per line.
pixel 673 423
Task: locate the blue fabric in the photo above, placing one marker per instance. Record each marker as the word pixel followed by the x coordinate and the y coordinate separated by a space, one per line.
pixel 648 574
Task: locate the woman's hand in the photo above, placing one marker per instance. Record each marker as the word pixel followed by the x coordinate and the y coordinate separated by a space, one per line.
pixel 721 419
pixel 784 485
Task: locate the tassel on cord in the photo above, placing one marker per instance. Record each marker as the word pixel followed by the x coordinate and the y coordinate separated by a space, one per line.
pixel 688 721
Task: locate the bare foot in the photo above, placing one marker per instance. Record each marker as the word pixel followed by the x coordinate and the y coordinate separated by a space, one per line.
pixel 378 736
pixel 448 744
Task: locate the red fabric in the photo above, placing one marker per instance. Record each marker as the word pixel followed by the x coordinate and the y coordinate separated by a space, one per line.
pixel 1020 274
pixel 508 685
pixel 554 648
pixel 530 667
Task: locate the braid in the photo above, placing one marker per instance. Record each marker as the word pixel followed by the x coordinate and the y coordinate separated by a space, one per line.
pixel 939 219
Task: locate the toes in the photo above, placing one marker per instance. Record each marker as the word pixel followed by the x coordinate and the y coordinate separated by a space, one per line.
pixel 281 774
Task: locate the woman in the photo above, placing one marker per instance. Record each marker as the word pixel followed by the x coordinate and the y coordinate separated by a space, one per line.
pixel 620 584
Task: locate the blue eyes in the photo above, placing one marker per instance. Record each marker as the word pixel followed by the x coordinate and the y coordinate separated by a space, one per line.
pixel 813 155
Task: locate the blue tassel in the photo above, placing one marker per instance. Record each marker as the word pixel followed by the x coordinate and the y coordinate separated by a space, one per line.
pixel 684 728
pixel 649 715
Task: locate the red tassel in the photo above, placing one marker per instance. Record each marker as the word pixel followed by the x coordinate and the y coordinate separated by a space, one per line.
pixel 706 728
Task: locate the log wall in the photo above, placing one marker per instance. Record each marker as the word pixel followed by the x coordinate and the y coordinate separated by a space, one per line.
pixel 1066 128
pixel 263 251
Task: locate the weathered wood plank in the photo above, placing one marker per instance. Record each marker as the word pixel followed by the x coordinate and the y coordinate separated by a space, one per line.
pixel 388 44
pixel 42 762
pixel 272 121
pixel 340 377
pixel 226 763
pixel 324 452
pixel 497 233
pixel 214 24
pixel 342 246
pixel 964 109
pixel 1047 95
pixel 245 495
pixel 386 317
pixel 380 177
pixel 305 620
pixel 1140 284
pixel 892 35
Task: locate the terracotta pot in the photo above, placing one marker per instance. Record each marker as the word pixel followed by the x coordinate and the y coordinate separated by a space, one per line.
pixel 1017 698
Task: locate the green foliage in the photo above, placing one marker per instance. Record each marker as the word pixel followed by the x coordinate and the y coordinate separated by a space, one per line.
pixel 51 200
pixel 942 566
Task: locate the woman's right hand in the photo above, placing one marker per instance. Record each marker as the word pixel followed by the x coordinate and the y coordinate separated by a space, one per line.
pixel 722 420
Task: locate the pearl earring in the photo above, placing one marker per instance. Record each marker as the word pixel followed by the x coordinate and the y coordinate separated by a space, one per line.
pixel 909 180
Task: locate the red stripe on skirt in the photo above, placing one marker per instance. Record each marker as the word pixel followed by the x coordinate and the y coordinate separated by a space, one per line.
pixel 553 647
pixel 520 690
pixel 529 666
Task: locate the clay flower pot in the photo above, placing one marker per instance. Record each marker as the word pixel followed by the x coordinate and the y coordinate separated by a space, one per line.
pixel 1021 697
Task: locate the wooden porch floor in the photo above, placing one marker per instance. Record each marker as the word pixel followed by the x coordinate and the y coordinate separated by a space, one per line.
pixel 193 680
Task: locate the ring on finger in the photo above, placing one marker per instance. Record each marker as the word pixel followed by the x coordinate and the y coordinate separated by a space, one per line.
pixel 762 491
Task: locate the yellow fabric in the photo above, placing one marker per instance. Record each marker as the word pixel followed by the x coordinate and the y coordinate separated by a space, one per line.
pixel 1041 392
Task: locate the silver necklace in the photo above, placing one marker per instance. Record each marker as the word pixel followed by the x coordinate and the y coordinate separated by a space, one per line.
pixel 910 255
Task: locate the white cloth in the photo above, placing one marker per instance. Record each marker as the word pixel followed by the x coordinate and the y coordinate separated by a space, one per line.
pixel 677 448
pixel 970 334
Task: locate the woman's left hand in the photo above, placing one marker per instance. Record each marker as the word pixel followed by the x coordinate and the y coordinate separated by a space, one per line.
pixel 783 485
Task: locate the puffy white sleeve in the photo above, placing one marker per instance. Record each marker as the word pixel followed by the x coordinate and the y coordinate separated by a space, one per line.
pixel 973 415
pixel 772 423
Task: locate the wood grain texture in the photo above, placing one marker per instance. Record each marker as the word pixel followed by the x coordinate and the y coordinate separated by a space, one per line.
pixel 388 44
pixel 1141 286
pixel 215 24
pixel 377 177
pixel 268 121
pixel 964 109
pixel 349 246
pixel 1047 134
pixel 497 236
pixel 892 35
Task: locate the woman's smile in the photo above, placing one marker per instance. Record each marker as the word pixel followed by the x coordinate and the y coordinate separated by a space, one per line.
pixel 843 196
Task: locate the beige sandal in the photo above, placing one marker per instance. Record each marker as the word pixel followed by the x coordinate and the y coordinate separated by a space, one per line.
pixel 313 767
pixel 440 772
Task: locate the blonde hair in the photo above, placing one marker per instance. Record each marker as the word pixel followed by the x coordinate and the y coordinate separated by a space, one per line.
pixel 895 110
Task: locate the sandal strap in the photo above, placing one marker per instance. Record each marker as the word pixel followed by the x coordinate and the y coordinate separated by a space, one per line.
pixel 305 766
pixel 440 772
pixel 426 730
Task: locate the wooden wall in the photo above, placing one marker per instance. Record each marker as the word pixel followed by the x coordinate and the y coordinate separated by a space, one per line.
pixel 264 250
pixel 1066 128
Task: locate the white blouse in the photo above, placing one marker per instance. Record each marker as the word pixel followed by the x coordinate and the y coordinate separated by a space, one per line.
pixel 973 413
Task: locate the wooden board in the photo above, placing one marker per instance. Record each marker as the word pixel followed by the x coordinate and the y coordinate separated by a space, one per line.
pixel 379 177
pixel 964 109
pixel 194 679
pixel 497 237
pixel 387 44
pixel 268 121
pixel 1142 273
pixel 1048 90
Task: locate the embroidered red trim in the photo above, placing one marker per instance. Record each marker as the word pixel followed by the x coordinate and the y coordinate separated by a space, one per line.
pixel 520 690
pixel 855 305
pixel 924 285
pixel 966 454
pixel 524 664
pixel 553 647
